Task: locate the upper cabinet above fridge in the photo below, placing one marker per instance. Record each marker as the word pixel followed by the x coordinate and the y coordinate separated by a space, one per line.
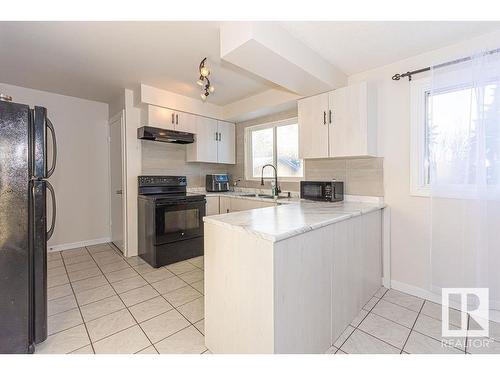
pixel 339 123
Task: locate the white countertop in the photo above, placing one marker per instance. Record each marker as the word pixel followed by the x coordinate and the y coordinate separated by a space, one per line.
pixel 294 217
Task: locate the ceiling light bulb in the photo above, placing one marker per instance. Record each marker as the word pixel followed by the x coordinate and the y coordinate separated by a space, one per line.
pixel 200 82
pixel 204 72
pixel 211 89
pixel 203 96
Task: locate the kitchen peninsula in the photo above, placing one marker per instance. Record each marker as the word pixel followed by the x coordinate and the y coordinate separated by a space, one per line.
pixel 289 278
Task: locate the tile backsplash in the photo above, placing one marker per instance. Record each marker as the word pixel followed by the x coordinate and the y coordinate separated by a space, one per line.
pixel 170 159
pixel 360 176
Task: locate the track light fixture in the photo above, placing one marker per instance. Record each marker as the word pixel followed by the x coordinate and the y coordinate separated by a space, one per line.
pixel 203 80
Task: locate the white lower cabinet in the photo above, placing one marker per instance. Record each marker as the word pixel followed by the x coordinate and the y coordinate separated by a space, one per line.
pixel 212 207
pixel 229 204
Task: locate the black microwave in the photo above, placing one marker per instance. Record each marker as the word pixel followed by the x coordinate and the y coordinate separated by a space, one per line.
pixel 329 191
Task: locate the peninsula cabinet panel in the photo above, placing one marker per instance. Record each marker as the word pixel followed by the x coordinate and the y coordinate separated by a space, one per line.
pixel 294 294
pixel 356 267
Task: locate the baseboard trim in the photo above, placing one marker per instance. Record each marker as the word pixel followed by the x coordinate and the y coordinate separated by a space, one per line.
pixel 415 291
pixel 66 246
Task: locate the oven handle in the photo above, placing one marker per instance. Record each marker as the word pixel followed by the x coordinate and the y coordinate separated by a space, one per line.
pixel 184 202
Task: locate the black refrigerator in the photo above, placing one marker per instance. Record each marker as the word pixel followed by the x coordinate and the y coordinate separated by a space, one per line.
pixel 25 134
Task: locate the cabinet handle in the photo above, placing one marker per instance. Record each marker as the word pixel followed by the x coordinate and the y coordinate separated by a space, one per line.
pixel 216 136
pixel 176 119
pixel 330 116
pixel 172 118
pixel 324 117
pixel 220 136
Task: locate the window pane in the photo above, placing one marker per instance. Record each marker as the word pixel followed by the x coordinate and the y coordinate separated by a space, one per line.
pixel 262 152
pixel 453 145
pixel 287 145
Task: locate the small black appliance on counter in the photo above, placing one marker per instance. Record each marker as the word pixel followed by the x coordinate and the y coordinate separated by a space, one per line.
pixel 217 182
pixel 327 191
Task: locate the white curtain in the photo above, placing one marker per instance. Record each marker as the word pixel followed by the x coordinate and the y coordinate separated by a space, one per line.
pixel 463 145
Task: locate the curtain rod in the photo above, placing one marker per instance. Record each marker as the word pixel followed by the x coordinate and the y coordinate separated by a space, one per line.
pixel 398 76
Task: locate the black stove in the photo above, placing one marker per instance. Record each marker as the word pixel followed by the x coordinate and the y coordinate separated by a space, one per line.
pixel 170 220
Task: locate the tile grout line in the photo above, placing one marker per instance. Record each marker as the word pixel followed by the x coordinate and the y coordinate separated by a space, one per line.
pixel 175 308
pixel 413 326
pixel 133 317
pixel 355 328
pixel 81 315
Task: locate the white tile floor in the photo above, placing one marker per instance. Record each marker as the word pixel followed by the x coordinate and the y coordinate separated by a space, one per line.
pixel 393 322
pixel 101 302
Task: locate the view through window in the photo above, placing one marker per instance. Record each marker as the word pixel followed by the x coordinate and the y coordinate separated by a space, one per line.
pixel 276 144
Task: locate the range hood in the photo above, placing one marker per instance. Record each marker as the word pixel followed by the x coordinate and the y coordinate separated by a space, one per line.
pixel 164 135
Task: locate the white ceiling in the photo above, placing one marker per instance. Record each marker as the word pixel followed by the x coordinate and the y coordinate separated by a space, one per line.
pixel 96 60
pixel 356 46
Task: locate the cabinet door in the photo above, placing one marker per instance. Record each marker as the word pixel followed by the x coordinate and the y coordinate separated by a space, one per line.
pixel 212 207
pixel 349 125
pixel 227 144
pixel 313 126
pixel 185 122
pixel 204 148
pixel 224 205
pixel 159 117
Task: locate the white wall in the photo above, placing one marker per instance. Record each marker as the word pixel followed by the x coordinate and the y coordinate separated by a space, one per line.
pixel 81 178
pixel 410 230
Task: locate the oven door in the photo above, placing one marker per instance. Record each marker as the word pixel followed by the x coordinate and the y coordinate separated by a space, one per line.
pixel 176 221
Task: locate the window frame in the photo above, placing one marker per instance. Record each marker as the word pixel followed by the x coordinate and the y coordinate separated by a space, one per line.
pixel 419 90
pixel 248 165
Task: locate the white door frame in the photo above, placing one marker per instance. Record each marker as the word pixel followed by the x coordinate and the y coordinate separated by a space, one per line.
pixel 120 116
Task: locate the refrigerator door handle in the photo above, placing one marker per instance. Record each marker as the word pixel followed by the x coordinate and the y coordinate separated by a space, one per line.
pixel 54 148
pixel 53 223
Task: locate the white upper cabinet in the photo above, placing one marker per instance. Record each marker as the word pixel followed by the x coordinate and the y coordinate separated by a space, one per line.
pixel 185 122
pixel 313 126
pixel 214 142
pixel 165 118
pixel 340 123
pixel 158 117
pixel 204 148
pixel 226 146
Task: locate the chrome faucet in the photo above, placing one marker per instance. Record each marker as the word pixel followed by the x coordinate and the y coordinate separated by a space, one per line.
pixel 276 189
